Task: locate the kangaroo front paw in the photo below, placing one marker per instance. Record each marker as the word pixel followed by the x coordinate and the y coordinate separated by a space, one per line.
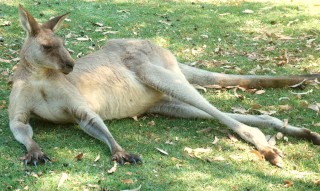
pixel 34 157
pixel 122 156
pixel 273 155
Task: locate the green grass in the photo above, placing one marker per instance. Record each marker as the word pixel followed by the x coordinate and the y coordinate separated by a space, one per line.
pixel 177 26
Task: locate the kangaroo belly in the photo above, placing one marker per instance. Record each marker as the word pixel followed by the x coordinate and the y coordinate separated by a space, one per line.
pixel 116 93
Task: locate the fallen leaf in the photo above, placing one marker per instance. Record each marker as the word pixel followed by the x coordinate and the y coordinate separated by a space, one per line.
pixel 315 107
pixel 288 183
pixel 5 23
pixel 236 157
pixel 202 150
pixel 198 87
pixel 135 118
pixel 279 135
pixel 218 158
pixel 123 11
pixel 82 39
pixel 248 11
pixel 197 151
pixel 285 107
pixel 188 150
pixel 285 123
pixel 162 151
pixel 127 181
pixel 80 54
pixel 284 98
pixel 241 97
pixel 272 141
pixel 99 24
pixel 317 182
pixel 224 14
pixel 205 131
pixel 304 104
pixel 259 92
pixel 33 174
pixel 316 124
pixel 256 106
pixel 169 141
pixel 79 156
pixel 204 36
pixel 63 178
pixel 110 32
pixel 15 59
pixel 284 37
pixel 232 138
pixel 239 110
pixel 302 93
pixel 266 112
pixel 97 158
pixel 135 189
pixel 113 169
pixel 151 123
pixel 215 141
pixel 3 104
pixel 214 86
pixel 5 61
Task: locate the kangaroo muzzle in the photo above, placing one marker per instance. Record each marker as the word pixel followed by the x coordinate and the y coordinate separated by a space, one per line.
pixel 67 67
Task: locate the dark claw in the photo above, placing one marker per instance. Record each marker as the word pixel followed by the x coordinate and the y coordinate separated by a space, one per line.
pixel 121 157
pixel 121 161
pixel 47 160
pixel 25 162
pixel 133 161
pixel 139 160
pixel 34 158
pixel 35 162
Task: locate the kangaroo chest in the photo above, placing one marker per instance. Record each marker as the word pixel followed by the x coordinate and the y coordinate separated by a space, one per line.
pixel 50 102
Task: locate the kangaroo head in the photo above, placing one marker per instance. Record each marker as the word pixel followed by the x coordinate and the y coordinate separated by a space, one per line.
pixel 42 48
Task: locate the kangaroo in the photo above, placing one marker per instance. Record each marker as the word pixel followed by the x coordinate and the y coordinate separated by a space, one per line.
pixel 125 78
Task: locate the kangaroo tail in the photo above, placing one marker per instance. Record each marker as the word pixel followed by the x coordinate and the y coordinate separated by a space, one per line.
pixel 203 77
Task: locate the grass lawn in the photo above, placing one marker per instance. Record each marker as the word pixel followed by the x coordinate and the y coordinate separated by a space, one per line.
pixel 241 37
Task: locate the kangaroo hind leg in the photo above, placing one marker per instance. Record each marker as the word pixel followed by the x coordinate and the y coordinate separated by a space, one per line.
pixel 174 108
pixel 176 86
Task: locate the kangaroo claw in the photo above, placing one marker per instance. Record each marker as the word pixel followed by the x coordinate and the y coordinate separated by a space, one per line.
pixel 35 157
pixel 121 157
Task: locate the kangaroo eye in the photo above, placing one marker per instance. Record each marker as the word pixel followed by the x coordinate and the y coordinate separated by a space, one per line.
pixel 47 47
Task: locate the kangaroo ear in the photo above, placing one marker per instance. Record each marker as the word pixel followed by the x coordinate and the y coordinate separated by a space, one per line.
pixel 55 23
pixel 28 23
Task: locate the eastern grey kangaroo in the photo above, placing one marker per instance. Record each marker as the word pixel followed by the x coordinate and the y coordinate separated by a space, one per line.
pixel 125 78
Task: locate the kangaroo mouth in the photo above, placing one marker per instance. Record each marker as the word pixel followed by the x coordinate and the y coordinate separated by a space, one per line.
pixel 66 70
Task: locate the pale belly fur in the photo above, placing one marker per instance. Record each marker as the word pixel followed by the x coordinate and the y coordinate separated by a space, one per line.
pixel 112 94
pixel 115 94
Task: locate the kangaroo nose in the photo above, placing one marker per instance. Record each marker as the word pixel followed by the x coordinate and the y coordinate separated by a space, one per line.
pixel 69 65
